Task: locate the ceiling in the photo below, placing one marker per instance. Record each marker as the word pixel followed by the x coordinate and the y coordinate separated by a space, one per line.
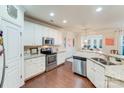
pixel 79 17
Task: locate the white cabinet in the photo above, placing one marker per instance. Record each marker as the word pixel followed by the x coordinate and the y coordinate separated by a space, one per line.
pixel 90 70
pixel 58 39
pixel 50 33
pixel 33 34
pixel 12 13
pixel 100 79
pixel 39 33
pixel 61 58
pixel 29 34
pixel 96 75
pixel 12 44
pixel 34 67
pixel 114 83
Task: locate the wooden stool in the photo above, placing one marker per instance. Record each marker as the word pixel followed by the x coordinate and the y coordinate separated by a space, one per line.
pixel 114 51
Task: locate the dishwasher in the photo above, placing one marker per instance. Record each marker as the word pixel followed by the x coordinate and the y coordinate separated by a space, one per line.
pixel 79 65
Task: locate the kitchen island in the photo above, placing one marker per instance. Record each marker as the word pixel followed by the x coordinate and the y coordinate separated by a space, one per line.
pixel 103 75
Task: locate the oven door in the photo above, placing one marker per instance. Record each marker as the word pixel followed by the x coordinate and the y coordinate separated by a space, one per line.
pixel 47 42
pixel 51 59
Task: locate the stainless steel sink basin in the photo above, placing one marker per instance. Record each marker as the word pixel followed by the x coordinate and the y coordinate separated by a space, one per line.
pixel 103 61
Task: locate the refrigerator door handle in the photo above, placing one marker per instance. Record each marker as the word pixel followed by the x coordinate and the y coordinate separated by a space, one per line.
pixel 3 74
pixel 4 63
pixel 1 52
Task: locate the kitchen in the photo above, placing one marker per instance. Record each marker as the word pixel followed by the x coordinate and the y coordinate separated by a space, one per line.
pixel 56 48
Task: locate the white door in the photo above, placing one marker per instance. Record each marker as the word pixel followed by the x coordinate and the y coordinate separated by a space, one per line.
pixel 12 41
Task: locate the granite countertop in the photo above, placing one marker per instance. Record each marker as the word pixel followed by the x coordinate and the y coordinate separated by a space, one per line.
pixel 26 57
pixel 113 71
pixel 39 55
pixel 100 52
pixel 116 72
pixel 61 51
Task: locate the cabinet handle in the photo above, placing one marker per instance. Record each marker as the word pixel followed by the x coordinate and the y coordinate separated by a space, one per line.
pixel 6 67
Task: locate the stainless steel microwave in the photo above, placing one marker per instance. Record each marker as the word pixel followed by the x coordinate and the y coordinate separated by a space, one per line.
pixel 47 41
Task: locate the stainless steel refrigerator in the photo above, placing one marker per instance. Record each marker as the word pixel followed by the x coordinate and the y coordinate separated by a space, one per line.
pixel 2 60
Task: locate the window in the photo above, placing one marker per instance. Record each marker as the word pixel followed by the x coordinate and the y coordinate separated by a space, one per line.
pixel 94 41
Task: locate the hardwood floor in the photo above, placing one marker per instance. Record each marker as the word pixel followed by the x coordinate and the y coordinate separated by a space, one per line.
pixel 61 77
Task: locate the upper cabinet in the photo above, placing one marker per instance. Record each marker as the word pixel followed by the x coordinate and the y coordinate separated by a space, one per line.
pixel 58 40
pixel 12 13
pixel 33 34
pixel 28 34
pixel 39 32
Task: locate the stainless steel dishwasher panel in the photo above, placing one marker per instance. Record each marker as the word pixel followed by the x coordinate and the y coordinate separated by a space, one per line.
pixel 79 65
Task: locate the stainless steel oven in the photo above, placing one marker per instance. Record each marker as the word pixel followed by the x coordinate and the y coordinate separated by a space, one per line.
pixel 51 61
pixel 51 58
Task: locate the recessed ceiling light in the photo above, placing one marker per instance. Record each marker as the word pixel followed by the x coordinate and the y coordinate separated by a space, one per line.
pixel 64 21
pixel 99 9
pixel 52 14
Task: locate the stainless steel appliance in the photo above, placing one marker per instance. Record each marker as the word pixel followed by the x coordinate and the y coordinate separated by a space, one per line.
pixel 2 60
pixel 47 41
pixel 51 58
pixel 51 61
pixel 79 65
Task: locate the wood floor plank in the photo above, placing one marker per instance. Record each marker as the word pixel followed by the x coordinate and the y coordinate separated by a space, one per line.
pixel 60 77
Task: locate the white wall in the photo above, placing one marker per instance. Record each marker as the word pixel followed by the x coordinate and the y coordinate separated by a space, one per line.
pixel 69 43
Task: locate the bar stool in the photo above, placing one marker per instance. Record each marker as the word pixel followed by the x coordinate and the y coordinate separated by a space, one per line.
pixel 114 51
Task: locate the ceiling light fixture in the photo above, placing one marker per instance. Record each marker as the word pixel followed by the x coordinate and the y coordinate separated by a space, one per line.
pixel 64 21
pixel 99 9
pixel 52 14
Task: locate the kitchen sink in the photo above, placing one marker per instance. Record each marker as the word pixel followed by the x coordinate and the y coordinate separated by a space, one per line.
pixel 103 61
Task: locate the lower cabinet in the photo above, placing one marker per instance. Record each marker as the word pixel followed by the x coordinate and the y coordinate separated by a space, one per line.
pixel 95 74
pixel 100 79
pixel 34 67
pixel 114 83
pixel 61 58
pixel 90 71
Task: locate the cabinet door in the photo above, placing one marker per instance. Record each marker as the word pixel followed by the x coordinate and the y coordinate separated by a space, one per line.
pixel 38 65
pixel 39 33
pixel 90 71
pixel 60 58
pixel 114 83
pixel 12 14
pixel 29 34
pixel 46 32
pixel 34 66
pixel 58 38
pixel 99 81
pixel 50 32
pixel 27 68
pixel 12 43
